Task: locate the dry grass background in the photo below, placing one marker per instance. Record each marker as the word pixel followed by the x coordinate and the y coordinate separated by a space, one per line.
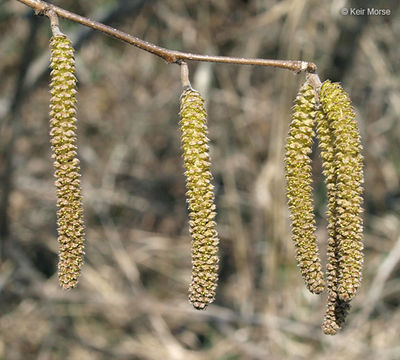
pixel 131 302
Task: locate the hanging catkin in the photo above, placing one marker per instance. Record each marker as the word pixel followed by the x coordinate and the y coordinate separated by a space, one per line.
pixel 299 191
pixel 339 141
pixel 337 309
pixel 344 188
pixel 63 141
pixel 200 199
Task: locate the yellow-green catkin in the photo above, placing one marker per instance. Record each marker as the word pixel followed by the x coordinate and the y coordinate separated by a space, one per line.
pixel 66 163
pixel 337 309
pixel 299 191
pixel 200 199
pixel 345 195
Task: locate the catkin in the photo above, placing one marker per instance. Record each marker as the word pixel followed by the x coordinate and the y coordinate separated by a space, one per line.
pixel 344 177
pixel 66 164
pixel 337 309
pixel 299 191
pixel 339 141
pixel 200 199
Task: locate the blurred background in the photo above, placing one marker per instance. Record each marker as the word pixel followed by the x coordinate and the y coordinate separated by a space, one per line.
pixel 131 302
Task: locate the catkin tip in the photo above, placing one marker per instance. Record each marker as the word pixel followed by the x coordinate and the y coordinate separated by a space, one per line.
pixel 335 315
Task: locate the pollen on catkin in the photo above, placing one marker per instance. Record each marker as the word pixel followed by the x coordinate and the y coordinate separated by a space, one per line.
pixel 66 163
pixel 299 191
pixel 200 198
pixel 344 173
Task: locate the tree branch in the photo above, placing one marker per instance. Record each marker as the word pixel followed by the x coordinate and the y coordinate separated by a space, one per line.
pixel 171 56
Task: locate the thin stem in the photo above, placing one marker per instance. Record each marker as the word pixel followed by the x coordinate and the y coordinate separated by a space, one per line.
pixel 185 75
pixel 315 82
pixel 55 27
pixel 171 56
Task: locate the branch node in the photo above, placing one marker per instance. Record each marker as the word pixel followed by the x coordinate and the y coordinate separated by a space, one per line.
pixel 311 67
pixel 171 58
pixel 39 8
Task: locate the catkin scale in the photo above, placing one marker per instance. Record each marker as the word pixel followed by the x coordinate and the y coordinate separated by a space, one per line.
pixel 66 164
pixel 299 191
pixel 200 198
